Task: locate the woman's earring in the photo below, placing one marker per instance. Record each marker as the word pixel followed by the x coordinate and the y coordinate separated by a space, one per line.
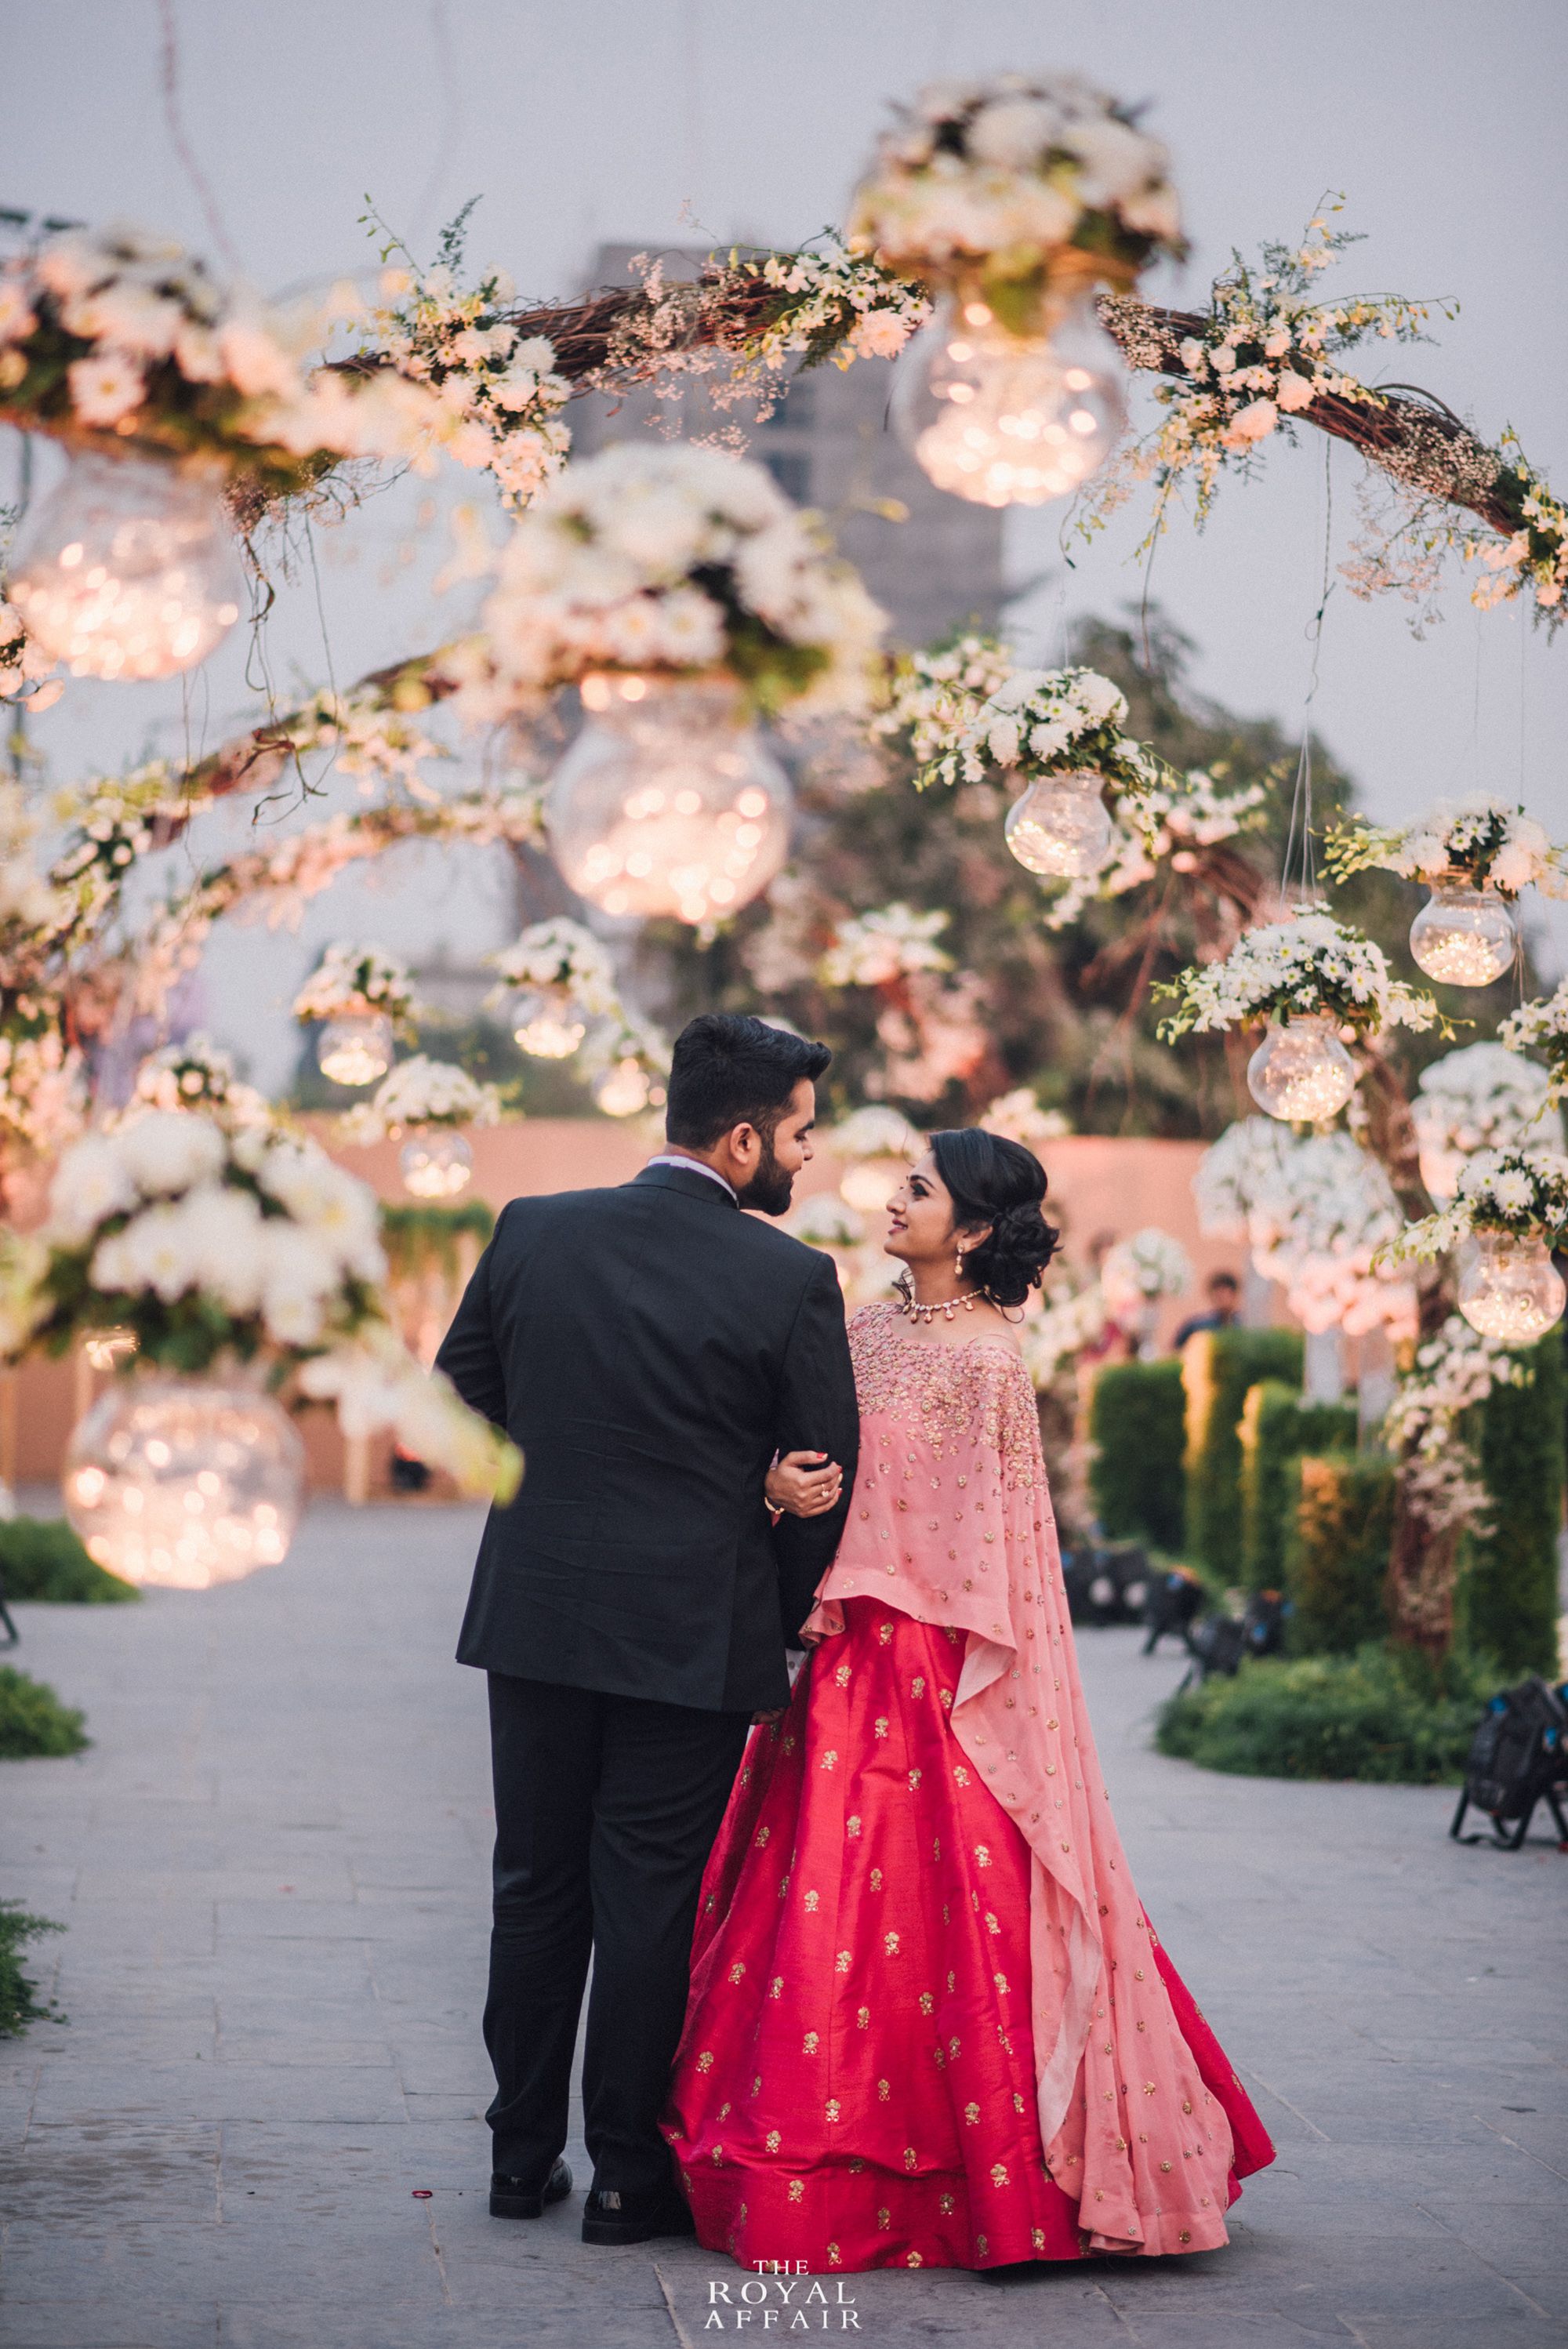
pixel 958 1261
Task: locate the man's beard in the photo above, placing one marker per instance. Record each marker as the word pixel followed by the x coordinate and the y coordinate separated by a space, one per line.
pixel 771 1189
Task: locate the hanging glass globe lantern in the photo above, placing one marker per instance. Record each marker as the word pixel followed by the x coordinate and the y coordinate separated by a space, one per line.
pixel 127 570
pixel 546 1025
pixel 1006 420
pixel 1061 826
pixel 623 1089
pixel 355 1048
pixel 1301 1071
pixel 1463 936
pixel 181 1484
pixel 436 1164
pixel 1510 1290
pixel 667 802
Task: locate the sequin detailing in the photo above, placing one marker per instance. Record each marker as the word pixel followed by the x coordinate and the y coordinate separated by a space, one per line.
pixel 952 1396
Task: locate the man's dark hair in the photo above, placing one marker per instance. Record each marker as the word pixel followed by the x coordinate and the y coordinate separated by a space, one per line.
pixel 731 1069
pixel 1224 1280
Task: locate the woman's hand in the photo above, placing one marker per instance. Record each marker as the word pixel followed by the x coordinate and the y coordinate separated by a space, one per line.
pixel 804 1484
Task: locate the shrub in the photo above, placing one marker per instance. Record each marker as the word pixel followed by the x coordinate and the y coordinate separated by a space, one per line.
pixel 40 1558
pixel 1138 1423
pixel 1336 1558
pixel 18 2004
pixel 33 1721
pixel 1384 1716
pixel 1509 1582
pixel 1218 1367
pixel 1277 1426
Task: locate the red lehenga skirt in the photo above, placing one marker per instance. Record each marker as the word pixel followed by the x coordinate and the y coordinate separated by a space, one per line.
pixel 855 2086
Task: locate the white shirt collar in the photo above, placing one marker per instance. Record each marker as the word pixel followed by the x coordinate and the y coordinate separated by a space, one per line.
pixel 697 1167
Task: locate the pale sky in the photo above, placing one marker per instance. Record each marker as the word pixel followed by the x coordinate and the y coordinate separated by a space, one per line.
pixel 1440 123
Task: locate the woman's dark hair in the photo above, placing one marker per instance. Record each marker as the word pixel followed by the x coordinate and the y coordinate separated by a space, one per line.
pixel 731 1069
pixel 997 1182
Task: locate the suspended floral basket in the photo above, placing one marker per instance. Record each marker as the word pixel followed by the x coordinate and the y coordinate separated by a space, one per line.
pixel 428 1100
pixel 1314 1210
pixel 1309 978
pixel 1483 1097
pixel 1510 1209
pixel 558 978
pixel 197 1075
pixel 1475 855
pixel 364 996
pixel 1543 1028
pixel 234 1258
pixel 683 595
pixel 1014 199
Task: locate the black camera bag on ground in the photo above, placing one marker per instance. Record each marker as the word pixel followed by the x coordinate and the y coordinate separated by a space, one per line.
pixel 1518 1757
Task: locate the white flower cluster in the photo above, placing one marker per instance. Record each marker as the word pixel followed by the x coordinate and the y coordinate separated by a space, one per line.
pixel 155 336
pixel 1479 837
pixel 876 1132
pixel 356 981
pixel 1439 1472
pixel 367 739
pixel 1535 555
pixel 826 1221
pixel 668 556
pixel 562 957
pixel 1309 963
pixel 419 1092
pixel 279 1248
pixel 1481 1097
pixel 877 949
pixel 973 170
pixel 934 695
pixel 1314 1211
pixel 1523 1192
pixel 499 390
pixel 1018 1117
pixel 1052 1338
pixel 196 1073
pixel 1543 1026
pixel 1150 1264
pixel 1038 721
pixel 42 1080
pixel 833 302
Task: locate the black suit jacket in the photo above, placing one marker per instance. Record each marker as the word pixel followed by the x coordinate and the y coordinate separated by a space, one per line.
pixel 651 1349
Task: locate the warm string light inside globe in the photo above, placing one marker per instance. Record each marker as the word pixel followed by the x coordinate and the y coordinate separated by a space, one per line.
pixel 667 802
pixel 1464 937
pixel 436 1164
pixel 625 1089
pixel 546 1025
pixel 1511 1290
pixel 1061 826
pixel 1301 1073
pixel 355 1049
pixel 1006 420
pixel 127 570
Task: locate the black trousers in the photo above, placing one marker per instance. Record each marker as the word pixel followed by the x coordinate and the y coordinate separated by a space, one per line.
pixel 606 1809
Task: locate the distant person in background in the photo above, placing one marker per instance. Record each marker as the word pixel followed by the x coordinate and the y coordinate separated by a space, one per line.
pixel 1224 1312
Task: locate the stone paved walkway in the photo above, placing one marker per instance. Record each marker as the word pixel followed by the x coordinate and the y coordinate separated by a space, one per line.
pixel 272 1867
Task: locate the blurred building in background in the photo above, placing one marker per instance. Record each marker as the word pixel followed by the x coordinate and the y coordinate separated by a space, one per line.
pixel 828 444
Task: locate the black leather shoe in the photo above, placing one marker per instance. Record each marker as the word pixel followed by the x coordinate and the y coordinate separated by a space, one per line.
pixel 522 2198
pixel 611 2216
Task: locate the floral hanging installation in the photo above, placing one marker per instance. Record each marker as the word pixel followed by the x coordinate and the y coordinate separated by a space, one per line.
pixel 428 1100
pixel 1475 855
pixel 361 996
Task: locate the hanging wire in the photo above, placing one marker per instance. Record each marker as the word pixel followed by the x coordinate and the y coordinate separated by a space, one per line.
pixel 175 125
pixel 1300 850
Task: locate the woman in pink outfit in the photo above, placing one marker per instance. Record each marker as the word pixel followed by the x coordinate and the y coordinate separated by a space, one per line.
pixel 929 2025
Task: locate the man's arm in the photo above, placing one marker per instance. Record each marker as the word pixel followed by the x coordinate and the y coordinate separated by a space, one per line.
pixel 468 1354
pixel 817 1412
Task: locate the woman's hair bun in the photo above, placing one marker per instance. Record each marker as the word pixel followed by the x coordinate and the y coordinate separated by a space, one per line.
pixel 997 1182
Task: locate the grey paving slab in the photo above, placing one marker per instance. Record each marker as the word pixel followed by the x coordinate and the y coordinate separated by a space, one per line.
pixel 272 1864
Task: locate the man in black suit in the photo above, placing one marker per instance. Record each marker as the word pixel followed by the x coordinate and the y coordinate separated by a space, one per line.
pixel 652 1349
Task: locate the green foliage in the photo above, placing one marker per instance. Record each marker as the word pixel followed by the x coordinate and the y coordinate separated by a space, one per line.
pixel 1277 1426
pixel 33 1721
pixel 40 1558
pixel 1336 1559
pixel 1138 1423
pixel 1383 1715
pixel 417 1236
pixel 1508 1593
pixel 19 2001
pixel 1220 1366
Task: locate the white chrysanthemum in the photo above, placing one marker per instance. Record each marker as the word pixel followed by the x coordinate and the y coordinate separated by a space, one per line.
pixel 91 1183
pixel 165 1152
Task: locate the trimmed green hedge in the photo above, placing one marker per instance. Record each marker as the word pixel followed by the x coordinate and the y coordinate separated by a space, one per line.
pixel 1277 1426
pixel 1508 1592
pixel 1383 1715
pixel 1337 1557
pixel 33 1721
pixel 1137 1422
pixel 1218 1367
pixel 19 2001
pixel 40 1558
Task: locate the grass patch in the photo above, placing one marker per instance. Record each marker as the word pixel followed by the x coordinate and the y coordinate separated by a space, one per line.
pixel 40 1558
pixel 1389 1718
pixel 33 1722
pixel 18 1999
